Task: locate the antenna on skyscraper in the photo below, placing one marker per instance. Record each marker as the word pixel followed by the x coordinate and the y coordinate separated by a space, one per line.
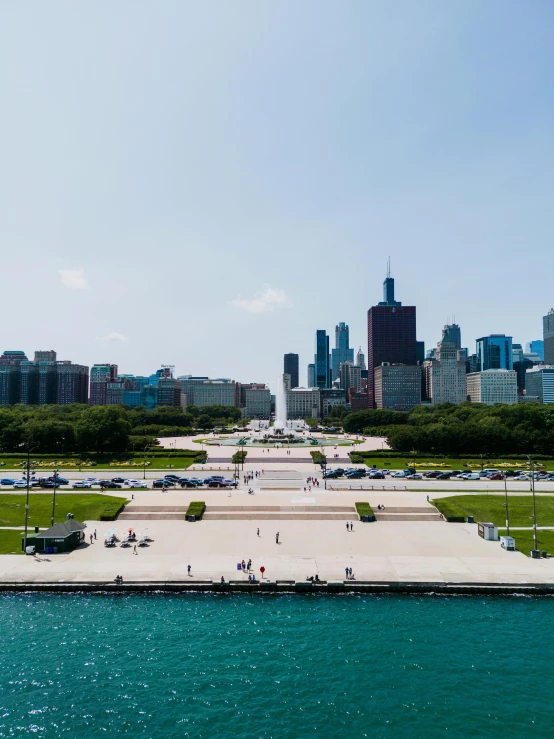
pixel 388 267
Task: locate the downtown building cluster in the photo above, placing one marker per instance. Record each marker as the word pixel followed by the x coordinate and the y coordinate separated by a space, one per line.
pixel 400 375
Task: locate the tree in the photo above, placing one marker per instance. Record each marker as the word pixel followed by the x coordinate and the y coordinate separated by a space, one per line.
pixel 102 429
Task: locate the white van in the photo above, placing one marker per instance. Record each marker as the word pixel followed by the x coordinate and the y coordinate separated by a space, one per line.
pixel 472 476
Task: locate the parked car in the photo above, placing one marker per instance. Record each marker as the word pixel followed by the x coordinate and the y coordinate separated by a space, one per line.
pixel 385 472
pixel 216 484
pixel 83 484
pixel 432 475
pixel 376 476
pixel 330 475
pixel 163 484
pixel 355 474
pixel 415 476
pixel 20 484
pixel 113 486
pixel 173 478
pixel 496 476
pixel 118 479
pixel 444 476
pixel 7 481
pixel 399 474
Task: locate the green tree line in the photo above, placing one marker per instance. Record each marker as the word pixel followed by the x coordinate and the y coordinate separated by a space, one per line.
pixel 467 428
pixel 63 429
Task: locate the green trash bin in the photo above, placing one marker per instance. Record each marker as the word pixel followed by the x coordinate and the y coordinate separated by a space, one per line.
pixel 544 553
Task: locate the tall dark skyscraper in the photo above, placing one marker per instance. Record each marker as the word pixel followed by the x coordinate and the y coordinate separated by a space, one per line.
pixel 321 360
pixel 290 367
pixel 452 333
pixel 391 335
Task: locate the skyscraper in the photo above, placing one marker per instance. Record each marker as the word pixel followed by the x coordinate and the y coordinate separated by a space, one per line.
pixel 342 351
pixel 290 367
pixel 535 347
pixel 548 336
pixel 100 376
pixel 494 352
pixel 311 375
pixel 452 334
pixel 360 359
pixel 391 335
pixel 321 360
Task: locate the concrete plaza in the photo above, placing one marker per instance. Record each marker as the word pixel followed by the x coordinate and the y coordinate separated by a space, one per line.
pixel 418 551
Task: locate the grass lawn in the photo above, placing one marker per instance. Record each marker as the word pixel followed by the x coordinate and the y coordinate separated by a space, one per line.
pixel 524 540
pixel 446 464
pixel 491 508
pixel 152 463
pixel 10 541
pixel 88 506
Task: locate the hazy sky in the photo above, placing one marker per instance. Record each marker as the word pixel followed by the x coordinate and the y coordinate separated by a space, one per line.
pixel 206 184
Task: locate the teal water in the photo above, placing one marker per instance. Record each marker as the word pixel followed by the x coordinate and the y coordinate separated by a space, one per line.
pixel 277 666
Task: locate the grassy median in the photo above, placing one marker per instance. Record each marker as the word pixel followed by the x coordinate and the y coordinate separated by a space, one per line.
pixel 88 506
pixel 491 508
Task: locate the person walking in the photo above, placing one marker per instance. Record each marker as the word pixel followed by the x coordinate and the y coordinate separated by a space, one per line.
pixel 346 573
pixel 347 526
pixel 243 563
pixel 277 538
pixel 189 568
pixel 91 538
pixel 134 548
pixel 95 533
pixel 350 572
pixel 351 525
pixel 249 565
pixel 258 531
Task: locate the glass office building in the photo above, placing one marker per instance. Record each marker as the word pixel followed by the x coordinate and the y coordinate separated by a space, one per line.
pixel 494 352
pixel 321 360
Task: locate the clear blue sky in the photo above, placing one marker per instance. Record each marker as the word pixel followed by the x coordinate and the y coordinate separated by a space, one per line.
pixel 206 184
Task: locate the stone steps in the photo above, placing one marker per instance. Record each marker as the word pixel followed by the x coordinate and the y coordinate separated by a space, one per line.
pixel 407 517
pixel 283 508
pixel 279 516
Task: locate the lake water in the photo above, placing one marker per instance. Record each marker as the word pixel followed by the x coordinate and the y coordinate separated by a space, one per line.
pixel 235 666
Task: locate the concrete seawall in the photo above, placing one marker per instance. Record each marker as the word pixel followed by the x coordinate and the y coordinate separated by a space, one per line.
pixel 285 586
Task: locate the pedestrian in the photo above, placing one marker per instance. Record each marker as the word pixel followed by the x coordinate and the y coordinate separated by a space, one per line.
pixel 91 538
pixel 134 549
pixel 346 572
pixel 189 568
pixel 277 538
pixel 249 565
pixel 350 572
pixel 258 532
pixel 95 533
pixel 347 526
pixel 243 563
pixel 132 496
pixel 351 525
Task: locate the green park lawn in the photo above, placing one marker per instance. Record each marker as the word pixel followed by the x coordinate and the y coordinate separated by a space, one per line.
pixel 524 540
pixel 87 506
pixel 446 464
pixel 10 541
pixel 62 465
pixel 491 508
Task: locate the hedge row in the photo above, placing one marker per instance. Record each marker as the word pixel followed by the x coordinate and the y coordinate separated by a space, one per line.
pixel 196 508
pixel 112 511
pixel 364 509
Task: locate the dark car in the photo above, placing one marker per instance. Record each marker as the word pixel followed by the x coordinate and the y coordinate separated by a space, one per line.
pixel 61 480
pixel 376 476
pixel 112 485
pixel 163 484
pixel 332 474
pixel 432 475
pixel 444 476
pixel 173 478
pixel 118 479
pixel 49 484
pixel 216 484
pixel 496 476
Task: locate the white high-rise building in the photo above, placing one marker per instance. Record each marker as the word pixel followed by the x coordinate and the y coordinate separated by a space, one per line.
pixel 492 386
pixel 360 359
pixel 539 382
pixel 445 375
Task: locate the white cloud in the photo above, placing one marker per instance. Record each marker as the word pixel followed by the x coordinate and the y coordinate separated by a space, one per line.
pixel 265 301
pixel 74 279
pixel 112 336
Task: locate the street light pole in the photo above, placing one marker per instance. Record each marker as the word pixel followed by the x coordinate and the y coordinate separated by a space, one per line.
pixel 29 450
pixel 534 503
pixel 507 514
pixel 54 496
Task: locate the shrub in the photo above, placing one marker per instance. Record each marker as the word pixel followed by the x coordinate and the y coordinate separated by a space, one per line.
pixel 318 457
pixel 196 508
pixel 364 509
pixel 112 511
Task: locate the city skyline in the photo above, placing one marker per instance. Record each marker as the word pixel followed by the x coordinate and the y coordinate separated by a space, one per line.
pixel 196 182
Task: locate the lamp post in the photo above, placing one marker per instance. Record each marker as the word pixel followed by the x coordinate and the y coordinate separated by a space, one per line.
pixel 532 469
pixel 54 496
pixel 506 504
pixel 29 450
